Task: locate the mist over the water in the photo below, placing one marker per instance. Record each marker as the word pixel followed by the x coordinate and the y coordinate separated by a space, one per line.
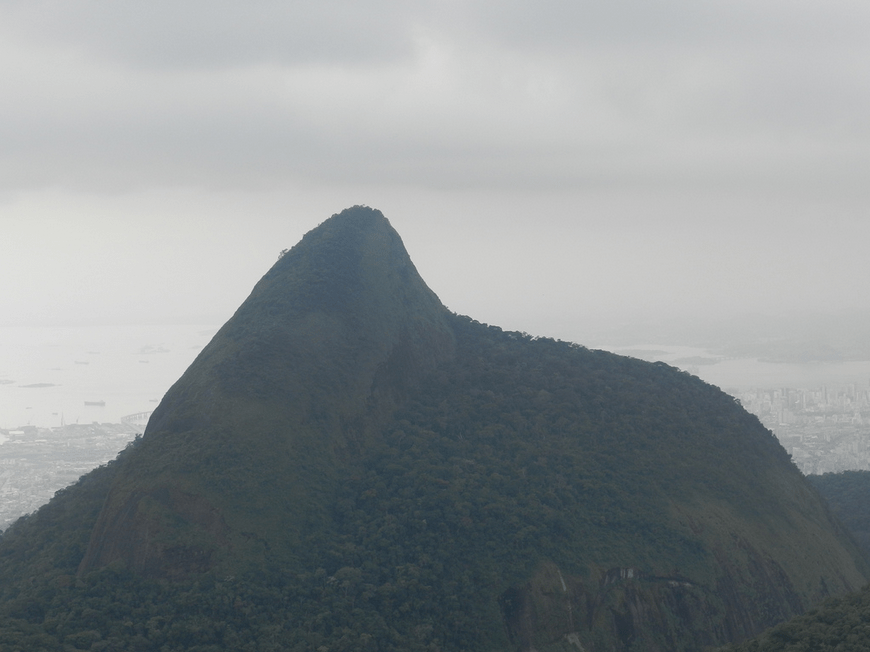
pixel 739 374
pixel 54 375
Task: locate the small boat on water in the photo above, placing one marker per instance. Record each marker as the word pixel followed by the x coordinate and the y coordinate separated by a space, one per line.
pixel 96 403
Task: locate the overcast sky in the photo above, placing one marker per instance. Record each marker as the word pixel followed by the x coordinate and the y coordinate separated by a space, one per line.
pixel 553 166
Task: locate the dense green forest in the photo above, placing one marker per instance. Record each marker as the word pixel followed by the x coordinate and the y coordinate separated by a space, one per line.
pixel 350 466
pixel 848 494
pixel 511 457
pixel 839 624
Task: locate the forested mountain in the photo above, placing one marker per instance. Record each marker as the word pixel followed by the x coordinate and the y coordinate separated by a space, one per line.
pixel 839 624
pixel 848 494
pixel 350 466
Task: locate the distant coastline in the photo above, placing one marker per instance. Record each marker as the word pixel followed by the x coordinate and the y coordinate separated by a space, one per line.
pixel 55 376
pixel 743 373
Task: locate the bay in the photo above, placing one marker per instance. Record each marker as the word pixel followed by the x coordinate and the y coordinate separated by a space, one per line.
pixel 735 375
pixel 55 375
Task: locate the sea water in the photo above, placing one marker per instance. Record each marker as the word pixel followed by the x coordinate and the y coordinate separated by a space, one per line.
pixel 51 376
pixel 734 375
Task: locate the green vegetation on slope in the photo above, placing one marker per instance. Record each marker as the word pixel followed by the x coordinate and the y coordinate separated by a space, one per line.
pixel 848 494
pixel 518 456
pixel 348 465
pixel 839 624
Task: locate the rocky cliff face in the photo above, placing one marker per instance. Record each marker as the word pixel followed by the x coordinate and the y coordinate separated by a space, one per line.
pixel 628 608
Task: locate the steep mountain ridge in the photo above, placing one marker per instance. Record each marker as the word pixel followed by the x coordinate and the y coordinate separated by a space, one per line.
pixel 349 465
pixel 331 337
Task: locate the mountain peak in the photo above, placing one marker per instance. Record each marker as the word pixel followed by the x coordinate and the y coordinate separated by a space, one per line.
pixel 351 252
pixel 325 345
pixel 344 303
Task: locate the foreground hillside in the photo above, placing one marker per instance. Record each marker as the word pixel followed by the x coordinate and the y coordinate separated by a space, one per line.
pixel 838 625
pixel 350 466
pixel 848 495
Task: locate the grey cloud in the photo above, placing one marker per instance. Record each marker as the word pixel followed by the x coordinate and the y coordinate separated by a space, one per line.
pixel 443 94
pixel 201 34
pixel 669 23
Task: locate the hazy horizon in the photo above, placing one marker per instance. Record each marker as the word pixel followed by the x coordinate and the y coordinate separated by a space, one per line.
pixel 560 168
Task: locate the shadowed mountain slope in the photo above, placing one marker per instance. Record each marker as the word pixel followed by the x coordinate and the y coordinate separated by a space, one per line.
pixel 254 435
pixel 848 494
pixel 840 624
pixel 349 465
